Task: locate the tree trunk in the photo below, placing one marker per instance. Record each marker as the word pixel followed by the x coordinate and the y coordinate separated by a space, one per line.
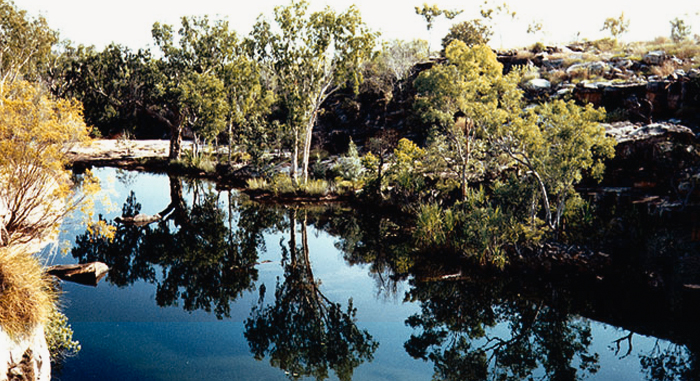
pixel 295 157
pixel 463 181
pixel 307 146
pixel 545 197
pixel 230 142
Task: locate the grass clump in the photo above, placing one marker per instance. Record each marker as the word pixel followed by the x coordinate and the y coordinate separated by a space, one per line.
pixel 283 185
pixel 27 296
pixel 316 187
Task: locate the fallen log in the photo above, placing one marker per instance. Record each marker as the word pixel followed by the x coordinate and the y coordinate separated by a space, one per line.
pixel 88 274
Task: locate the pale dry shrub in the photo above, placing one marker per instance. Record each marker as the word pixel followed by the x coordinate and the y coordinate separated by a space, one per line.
pixel 664 70
pixel 27 295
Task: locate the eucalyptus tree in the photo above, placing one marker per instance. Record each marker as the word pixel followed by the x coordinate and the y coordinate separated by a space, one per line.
pixel 464 100
pixel 430 13
pixel 113 86
pixel 25 44
pixel 249 98
pixel 312 56
pixel 471 32
pixel 188 92
pixel 556 144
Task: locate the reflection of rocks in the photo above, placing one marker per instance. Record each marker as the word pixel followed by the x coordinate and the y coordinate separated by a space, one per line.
pixel 138 220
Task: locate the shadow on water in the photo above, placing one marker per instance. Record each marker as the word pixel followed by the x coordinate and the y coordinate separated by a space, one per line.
pixel 472 324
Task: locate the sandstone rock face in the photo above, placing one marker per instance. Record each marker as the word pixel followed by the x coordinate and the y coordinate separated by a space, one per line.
pixel 625 132
pixel 26 359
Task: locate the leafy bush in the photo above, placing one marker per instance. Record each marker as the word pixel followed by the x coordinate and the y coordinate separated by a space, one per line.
pixel 475 229
pixel 257 183
pixel 59 338
pixel 202 161
pixel 349 167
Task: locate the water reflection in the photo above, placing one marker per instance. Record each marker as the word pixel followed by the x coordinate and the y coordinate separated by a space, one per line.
pixel 302 331
pixel 193 255
pixel 456 330
pixel 204 254
pixel 380 240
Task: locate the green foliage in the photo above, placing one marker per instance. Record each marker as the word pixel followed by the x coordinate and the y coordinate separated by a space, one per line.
pixel 679 30
pixel 188 90
pixel 283 185
pixel 465 101
pixel 203 161
pixel 59 338
pixel 311 57
pixel 405 173
pixel 474 228
pixel 26 44
pixel 616 26
pixel 349 166
pixel 471 32
pixel 317 187
pixel 557 142
pixel 431 12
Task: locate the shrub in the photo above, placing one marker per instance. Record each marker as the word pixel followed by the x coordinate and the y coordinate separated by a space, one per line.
pixel 257 183
pixel 59 337
pixel 202 161
pixel 282 184
pixel 349 167
pixel 28 297
pixel 316 187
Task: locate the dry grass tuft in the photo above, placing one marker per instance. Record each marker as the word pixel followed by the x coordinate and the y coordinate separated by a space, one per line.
pixel 27 296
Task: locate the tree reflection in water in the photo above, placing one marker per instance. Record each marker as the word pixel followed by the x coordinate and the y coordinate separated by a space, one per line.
pixel 204 261
pixel 457 332
pixel 302 331
pixel 472 328
pixel 383 242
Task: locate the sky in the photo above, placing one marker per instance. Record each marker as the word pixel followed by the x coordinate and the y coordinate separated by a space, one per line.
pixel 128 22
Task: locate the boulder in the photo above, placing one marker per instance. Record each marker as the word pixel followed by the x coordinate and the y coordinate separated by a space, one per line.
pixel 88 274
pixel 25 358
pixel 537 84
pixel 656 57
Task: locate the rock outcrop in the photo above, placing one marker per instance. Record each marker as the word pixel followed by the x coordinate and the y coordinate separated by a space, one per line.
pixel 25 359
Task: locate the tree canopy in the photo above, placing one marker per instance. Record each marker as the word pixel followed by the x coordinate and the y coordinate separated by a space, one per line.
pixel 312 56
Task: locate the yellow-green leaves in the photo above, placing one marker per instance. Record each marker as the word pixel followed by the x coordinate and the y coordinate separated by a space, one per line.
pixel 25 44
pixel 311 56
pixel 36 133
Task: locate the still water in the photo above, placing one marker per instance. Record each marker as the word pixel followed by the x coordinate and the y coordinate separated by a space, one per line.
pixel 226 289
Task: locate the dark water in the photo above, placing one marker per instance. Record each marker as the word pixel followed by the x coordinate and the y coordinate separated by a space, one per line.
pixel 223 290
